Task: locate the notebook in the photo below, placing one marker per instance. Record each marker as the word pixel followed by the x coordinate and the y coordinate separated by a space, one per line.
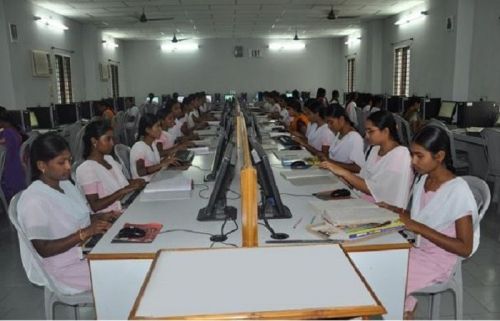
pixel 304 173
pixel 169 181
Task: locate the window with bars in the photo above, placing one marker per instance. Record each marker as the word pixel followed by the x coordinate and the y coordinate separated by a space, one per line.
pixel 114 80
pixel 350 74
pixel 63 79
pixel 402 71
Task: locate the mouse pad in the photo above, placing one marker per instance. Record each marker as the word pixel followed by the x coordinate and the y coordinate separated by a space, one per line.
pixel 326 196
pixel 151 229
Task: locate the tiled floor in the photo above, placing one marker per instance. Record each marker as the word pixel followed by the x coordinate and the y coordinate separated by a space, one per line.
pixel 481 276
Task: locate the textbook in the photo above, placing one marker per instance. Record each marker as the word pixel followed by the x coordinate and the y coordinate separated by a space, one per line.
pixel 349 233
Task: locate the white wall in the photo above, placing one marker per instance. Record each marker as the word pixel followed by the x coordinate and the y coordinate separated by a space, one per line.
pixel 19 89
pixel 485 65
pixel 213 68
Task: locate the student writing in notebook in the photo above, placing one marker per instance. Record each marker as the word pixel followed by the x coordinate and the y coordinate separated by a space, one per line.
pixel 347 150
pixel 321 138
pixel 387 174
pixel 56 219
pixel 443 212
pixel 145 158
pixel 100 177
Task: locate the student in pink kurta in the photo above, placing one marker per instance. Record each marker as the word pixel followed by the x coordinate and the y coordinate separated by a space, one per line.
pixel 100 177
pixel 55 218
pixel 443 213
pixel 145 158
pixel 166 143
pixel 386 175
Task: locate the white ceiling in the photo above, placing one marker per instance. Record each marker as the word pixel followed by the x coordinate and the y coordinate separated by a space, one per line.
pixel 226 18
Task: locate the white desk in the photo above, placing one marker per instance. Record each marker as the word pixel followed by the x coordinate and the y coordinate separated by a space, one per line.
pixel 287 282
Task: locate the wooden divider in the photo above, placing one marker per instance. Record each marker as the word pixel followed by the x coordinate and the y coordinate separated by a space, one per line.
pixel 248 189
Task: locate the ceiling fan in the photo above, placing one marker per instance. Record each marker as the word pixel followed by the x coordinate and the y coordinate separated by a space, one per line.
pixel 176 40
pixel 296 37
pixel 143 18
pixel 332 15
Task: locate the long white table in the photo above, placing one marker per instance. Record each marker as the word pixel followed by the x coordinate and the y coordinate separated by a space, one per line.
pixel 118 270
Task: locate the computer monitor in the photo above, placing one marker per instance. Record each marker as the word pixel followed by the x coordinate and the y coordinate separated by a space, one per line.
pixel 20 119
pixel 217 208
pixel 95 108
pixel 222 141
pixel 41 117
pixel 477 114
pixel 432 107
pixel 180 99
pixel 305 95
pixel 120 103
pixel 228 97
pixel 289 95
pixel 65 114
pixel 446 111
pixel 271 205
pixel 209 98
pixel 395 104
pixel 85 110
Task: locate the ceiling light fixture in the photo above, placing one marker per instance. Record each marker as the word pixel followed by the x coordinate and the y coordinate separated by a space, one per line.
pixel 50 23
pixel 287 46
pixel 179 47
pixel 353 40
pixel 411 18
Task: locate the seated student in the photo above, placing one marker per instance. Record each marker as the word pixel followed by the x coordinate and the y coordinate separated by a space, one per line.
pixel 347 150
pixel 194 119
pixel 100 177
pixel 55 217
pixel 319 140
pixel 284 117
pixel 105 110
pixel 298 120
pixel 369 103
pixel 13 176
pixel 321 96
pixel 387 174
pixel 412 114
pixel 311 127
pixel 335 97
pixel 132 112
pixel 375 106
pixel 145 158
pixel 166 143
pixel 350 107
pixel 443 212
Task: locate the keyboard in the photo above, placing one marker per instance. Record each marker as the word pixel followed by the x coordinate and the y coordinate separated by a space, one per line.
pixel 287 141
pixel 131 197
pixel 90 243
pixel 184 156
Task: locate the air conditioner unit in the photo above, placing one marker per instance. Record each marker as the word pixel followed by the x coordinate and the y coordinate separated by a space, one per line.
pixel 40 63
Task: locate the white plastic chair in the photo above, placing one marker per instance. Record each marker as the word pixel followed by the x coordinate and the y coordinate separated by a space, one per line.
pixel 25 155
pixel 361 117
pixel 404 130
pixel 122 152
pixel 492 140
pixel 459 165
pixel 482 195
pixel 77 150
pixel 52 295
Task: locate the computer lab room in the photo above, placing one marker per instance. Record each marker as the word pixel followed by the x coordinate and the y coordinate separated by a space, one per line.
pixel 249 159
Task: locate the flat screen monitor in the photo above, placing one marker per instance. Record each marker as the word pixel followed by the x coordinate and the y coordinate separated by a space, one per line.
pixel 446 111
pixel 66 114
pixel 217 208
pixel 228 97
pixel 271 205
pixel 395 104
pixel 85 110
pixel 17 119
pixel 222 142
pixel 209 98
pixel 180 99
pixel 432 107
pixel 289 95
pixel 41 117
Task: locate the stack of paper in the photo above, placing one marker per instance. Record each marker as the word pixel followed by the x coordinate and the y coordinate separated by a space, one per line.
pixel 305 173
pixel 171 184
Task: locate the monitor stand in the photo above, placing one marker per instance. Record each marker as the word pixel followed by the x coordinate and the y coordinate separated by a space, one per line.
pixel 270 211
pixel 218 214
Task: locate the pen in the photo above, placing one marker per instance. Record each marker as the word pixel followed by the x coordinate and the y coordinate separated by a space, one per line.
pixel 298 222
pixel 312 220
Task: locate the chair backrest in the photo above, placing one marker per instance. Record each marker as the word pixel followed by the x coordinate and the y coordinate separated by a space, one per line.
pixel 361 117
pixel 437 123
pixel 492 139
pixel 481 192
pixel 119 127
pixel 122 152
pixel 30 258
pixel 404 130
pixel 77 152
pixel 24 153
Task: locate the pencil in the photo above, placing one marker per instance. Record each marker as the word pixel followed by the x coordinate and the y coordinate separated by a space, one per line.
pixel 312 220
pixel 298 222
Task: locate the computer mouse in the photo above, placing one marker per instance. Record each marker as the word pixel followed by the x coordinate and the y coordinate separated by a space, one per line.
pixel 131 232
pixel 342 192
pixel 299 165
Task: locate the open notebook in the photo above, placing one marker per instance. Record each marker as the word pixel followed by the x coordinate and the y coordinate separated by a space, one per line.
pixel 352 212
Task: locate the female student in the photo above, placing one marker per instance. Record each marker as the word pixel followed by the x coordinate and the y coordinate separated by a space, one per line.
pixel 166 143
pixel 387 174
pixel 443 213
pixel 100 177
pixel 350 107
pixel 347 151
pixel 412 114
pixel 145 158
pixel 299 120
pixel 55 217
pixel 318 139
pixel 13 177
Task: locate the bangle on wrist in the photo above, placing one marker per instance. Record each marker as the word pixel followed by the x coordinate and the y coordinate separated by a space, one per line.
pixel 81 235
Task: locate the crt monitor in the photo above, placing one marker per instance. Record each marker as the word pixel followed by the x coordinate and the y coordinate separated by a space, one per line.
pixel 41 117
pixel 120 103
pixel 271 205
pixel 446 111
pixel 395 104
pixel 20 119
pixel 66 114
pixel 217 208
pixel 432 107
pixel 85 110
pixel 477 114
